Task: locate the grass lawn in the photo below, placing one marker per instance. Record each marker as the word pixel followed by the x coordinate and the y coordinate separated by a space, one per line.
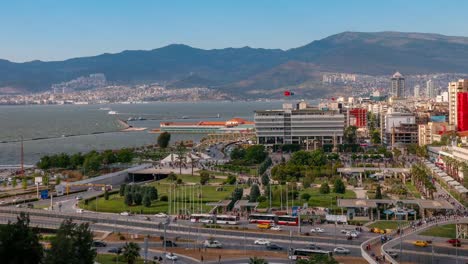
pixel 116 204
pixel 387 224
pixel 111 259
pixel 412 189
pixel 448 231
pixel 316 200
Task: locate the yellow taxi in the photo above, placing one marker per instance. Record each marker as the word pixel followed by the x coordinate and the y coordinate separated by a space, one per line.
pixel 264 226
pixel 420 243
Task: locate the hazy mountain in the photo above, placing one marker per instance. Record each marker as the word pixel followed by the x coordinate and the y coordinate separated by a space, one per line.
pixel 244 69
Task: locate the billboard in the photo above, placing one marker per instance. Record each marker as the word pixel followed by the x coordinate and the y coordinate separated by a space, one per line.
pixel 44 194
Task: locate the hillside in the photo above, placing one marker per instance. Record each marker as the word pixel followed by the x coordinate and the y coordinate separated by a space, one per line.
pixel 246 69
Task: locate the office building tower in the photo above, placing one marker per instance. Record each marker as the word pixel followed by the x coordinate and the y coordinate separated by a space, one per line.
pixel 416 91
pixel 430 89
pixel 398 86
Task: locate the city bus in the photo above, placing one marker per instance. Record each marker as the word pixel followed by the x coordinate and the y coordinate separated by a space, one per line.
pixel 262 218
pixel 274 219
pixel 227 219
pixel 303 253
pixel 287 220
pixel 202 218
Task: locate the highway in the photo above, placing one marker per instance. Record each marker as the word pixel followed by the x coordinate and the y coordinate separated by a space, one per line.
pixel 231 239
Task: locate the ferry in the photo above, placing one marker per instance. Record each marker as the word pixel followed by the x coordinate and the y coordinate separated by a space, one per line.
pixel 112 112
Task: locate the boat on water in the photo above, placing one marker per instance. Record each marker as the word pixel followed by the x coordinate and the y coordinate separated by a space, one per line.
pixel 141 118
pixel 112 112
pixel 131 119
pixel 105 108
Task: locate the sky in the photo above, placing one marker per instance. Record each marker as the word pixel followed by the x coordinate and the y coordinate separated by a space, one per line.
pixel 61 29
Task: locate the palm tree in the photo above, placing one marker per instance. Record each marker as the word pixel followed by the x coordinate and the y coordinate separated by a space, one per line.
pixel 256 260
pixel 131 252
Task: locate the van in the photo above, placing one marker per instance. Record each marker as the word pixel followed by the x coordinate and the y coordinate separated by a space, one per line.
pixel 169 243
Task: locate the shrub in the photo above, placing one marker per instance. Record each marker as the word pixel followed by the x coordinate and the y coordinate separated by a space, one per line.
pixel 164 198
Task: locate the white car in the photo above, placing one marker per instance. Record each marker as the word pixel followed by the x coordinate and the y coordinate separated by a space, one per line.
pixel 171 256
pixel 212 244
pixel 317 230
pixel 344 231
pixel 79 211
pixel 125 213
pixel 341 250
pixel 262 242
pixel 352 234
pixel 276 228
pixel 161 215
pixel 78 198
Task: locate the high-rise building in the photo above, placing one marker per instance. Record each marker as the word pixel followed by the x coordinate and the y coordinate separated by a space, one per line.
pixel 306 126
pixel 357 117
pixel 398 86
pixel 453 89
pixel 462 111
pixel 416 91
pixel 430 89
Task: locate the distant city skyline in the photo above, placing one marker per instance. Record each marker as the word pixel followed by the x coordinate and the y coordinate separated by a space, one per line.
pixel 56 30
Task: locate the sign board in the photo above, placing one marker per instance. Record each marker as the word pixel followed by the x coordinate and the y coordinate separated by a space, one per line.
pixel 336 218
pixel 44 194
pixel 38 180
pixel 295 210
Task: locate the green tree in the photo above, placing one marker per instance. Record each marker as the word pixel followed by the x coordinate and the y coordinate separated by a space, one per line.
pixel 256 260
pixel 108 157
pixel 305 196
pixel 163 140
pixel 265 179
pixel 131 252
pixel 172 176
pixel 338 186
pixel 106 195
pixel 152 193
pixel 73 244
pixel 255 154
pixel 76 160
pixel 92 163
pixel 238 153
pixel 254 193
pixel 44 163
pixel 14 183
pixel 204 177
pixel 122 189
pixel 146 200
pixel 129 199
pixel 137 198
pixel 58 180
pixel 45 180
pixel 124 155
pixel 19 243
pixel 324 188
pixel 231 179
pixel 375 137
pixel 350 135
pixel 235 196
pixel 378 192
pixel 24 183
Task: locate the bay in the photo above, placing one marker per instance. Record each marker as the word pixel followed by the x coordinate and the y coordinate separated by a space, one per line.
pixel 51 129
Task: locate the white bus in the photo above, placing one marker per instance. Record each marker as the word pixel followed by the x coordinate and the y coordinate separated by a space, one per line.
pixel 202 218
pixel 227 219
pixel 303 253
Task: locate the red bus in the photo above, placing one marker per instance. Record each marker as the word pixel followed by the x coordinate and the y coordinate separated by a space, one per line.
pixel 274 219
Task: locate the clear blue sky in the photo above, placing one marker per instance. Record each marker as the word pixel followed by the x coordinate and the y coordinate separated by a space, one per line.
pixel 60 29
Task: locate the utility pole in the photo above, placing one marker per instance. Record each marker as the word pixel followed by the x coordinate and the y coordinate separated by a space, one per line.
pixel 22 157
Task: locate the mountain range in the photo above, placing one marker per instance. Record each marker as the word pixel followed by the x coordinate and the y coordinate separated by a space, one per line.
pixel 245 70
